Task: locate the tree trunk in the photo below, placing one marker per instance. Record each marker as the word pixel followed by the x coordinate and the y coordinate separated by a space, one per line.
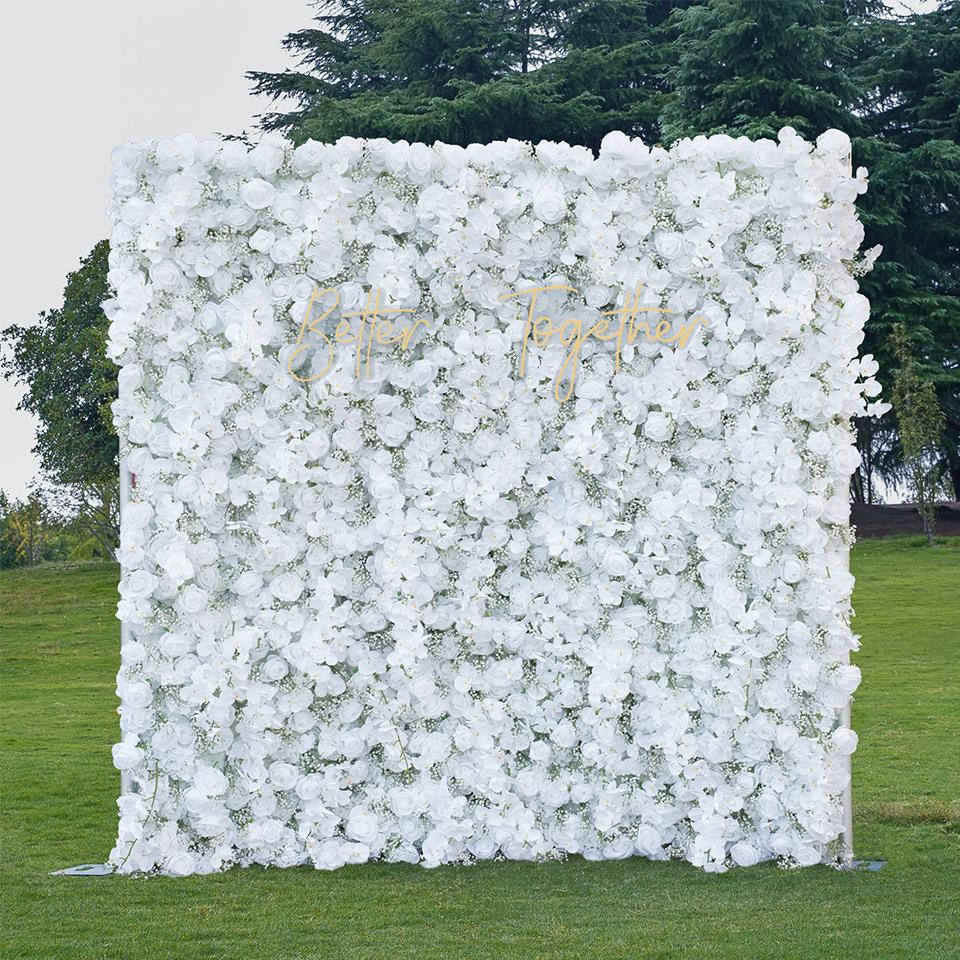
pixel 856 487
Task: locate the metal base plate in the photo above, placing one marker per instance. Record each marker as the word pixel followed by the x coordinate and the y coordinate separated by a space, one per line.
pixel 85 870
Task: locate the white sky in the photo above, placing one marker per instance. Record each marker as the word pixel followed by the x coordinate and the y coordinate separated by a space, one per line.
pixel 913 6
pixel 78 78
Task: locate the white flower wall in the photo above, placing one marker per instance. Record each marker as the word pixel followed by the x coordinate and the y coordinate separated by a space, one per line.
pixel 409 605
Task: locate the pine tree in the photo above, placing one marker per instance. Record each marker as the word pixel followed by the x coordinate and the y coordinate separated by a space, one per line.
pixel 750 67
pixel 475 71
pixel 910 77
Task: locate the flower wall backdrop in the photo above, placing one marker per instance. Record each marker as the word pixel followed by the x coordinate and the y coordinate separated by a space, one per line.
pixel 401 598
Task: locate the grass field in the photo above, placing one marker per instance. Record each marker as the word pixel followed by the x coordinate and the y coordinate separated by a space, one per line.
pixel 57 808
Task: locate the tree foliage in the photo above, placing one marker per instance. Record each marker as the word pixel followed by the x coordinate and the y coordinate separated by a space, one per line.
pixel 69 384
pixel 475 70
pixel 33 530
pixel 61 362
pixel 908 75
pixel 750 67
pixel 920 422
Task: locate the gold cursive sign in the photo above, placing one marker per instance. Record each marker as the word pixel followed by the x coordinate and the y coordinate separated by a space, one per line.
pixel 374 326
pixel 541 330
pixel 573 333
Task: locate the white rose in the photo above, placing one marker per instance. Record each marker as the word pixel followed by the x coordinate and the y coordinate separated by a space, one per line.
pixel 564 734
pixel 215 362
pixel 844 741
pixel 792 570
pixel 673 610
pixel 806 854
pixel 127 159
pixel 269 831
pixel 180 864
pixel 403 801
pixel 846 679
pixel 262 240
pixel 136 694
pixel 176 644
pixel 619 849
pixel 247 584
pixel 329 855
pixel 744 854
pixel 267 157
pixel 136 515
pixel 420 161
pixel 742 355
pixel 834 142
pixel 165 274
pixel 286 587
pixel 362 826
pixel 126 755
pixel 669 244
pixel 616 562
pixel 283 775
pixel 258 194
pixel 658 426
pixel 663 586
pixel 210 781
pixel 310 787
pixel 649 843
pixel 308 157
pixel 138 585
pixel 772 695
pixel 275 668
pixel 549 203
pixel 484 848
pixel 193 599
pixel 239 217
pixel 233 157
pixel 761 253
pixel 286 250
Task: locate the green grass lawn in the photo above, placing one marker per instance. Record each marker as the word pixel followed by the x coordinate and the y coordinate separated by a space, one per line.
pixel 57 808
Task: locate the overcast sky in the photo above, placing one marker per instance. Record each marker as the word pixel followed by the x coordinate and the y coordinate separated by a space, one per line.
pixel 78 78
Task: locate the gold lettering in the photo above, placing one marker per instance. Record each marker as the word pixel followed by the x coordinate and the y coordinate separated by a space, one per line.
pixel 313 326
pixel 540 330
pixel 534 292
